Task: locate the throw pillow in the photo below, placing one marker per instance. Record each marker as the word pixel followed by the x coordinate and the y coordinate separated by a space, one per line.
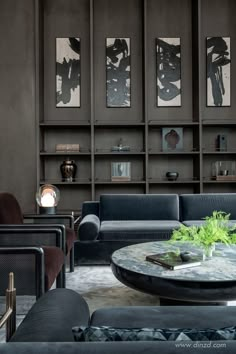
pixel 110 334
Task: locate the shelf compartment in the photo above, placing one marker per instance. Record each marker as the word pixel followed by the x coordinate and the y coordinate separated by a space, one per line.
pixel 68 135
pixel 186 165
pixel 50 167
pixel 135 188
pixel 174 188
pixel 105 138
pixel 190 140
pixel 209 137
pixel 103 166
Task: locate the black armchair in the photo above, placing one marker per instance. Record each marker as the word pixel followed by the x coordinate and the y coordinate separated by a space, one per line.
pixel 67 223
pixel 49 239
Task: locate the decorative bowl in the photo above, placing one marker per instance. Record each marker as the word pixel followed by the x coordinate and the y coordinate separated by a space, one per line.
pixel 185 256
pixel 172 176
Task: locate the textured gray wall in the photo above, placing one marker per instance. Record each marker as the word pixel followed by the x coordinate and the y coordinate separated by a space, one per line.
pixel 17 101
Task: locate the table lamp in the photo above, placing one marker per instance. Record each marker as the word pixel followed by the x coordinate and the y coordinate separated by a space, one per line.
pixel 47 198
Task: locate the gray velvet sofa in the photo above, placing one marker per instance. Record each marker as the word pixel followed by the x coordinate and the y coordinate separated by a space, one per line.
pixel 47 327
pixel 119 220
pixel 194 207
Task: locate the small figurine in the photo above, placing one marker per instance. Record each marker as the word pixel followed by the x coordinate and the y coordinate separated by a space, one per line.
pixel 120 147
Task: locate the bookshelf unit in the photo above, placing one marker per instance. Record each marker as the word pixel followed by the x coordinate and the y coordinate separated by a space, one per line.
pixel 97 128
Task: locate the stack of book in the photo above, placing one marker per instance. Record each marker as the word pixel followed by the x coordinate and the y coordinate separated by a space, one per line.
pixel 67 148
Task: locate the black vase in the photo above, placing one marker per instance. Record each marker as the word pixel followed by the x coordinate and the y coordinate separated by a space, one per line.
pixel 68 170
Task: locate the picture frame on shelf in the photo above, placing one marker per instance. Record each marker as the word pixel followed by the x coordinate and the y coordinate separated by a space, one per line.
pixel 172 139
pixel 168 61
pixel 68 72
pixel 120 171
pixel 218 71
pixel 118 72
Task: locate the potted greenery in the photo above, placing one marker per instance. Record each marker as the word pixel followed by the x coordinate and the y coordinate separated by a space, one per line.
pixel 216 228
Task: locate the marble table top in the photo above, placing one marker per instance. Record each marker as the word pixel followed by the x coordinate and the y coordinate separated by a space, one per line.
pixel 221 267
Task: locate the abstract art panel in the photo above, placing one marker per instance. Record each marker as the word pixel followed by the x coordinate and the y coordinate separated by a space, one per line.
pixel 118 72
pixel 218 71
pixel 172 139
pixel 168 72
pixel 68 72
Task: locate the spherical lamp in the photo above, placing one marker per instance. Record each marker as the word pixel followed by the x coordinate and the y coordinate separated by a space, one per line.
pixel 47 198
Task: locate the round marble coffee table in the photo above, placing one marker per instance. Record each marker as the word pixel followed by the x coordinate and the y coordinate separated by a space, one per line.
pixel 214 281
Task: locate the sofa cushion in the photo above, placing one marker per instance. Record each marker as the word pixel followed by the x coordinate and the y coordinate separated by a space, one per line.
pixel 111 334
pixel 198 206
pixel 164 316
pixel 137 229
pixel 139 207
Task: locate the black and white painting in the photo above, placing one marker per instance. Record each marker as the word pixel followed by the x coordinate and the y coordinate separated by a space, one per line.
pixel 68 72
pixel 218 71
pixel 118 72
pixel 168 72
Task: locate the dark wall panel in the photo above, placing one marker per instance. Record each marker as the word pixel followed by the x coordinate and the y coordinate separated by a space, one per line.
pixel 17 101
pixel 118 19
pixel 218 19
pixel 167 19
pixel 68 18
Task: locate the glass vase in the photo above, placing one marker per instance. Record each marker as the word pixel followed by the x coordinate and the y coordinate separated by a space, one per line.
pixel 208 252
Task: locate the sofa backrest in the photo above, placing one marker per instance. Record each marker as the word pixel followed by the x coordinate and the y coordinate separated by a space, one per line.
pixel 90 207
pixel 139 207
pixel 198 206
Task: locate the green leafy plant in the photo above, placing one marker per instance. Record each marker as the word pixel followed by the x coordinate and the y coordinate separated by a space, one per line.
pixel 216 228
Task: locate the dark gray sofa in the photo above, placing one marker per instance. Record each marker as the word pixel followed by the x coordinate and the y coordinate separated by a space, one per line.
pixel 47 326
pixel 120 220
pixel 194 207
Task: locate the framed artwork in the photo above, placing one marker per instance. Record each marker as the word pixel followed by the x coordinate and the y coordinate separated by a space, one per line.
pixel 172 139
pixel 118 91
pixel 68 72
pixel 168 72
pixel 120 171
pixel 218 71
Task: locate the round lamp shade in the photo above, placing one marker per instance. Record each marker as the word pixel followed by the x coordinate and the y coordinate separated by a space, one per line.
pixel 47 198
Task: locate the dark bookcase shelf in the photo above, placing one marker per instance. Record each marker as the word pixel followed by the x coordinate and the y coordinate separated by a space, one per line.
pixel 97 128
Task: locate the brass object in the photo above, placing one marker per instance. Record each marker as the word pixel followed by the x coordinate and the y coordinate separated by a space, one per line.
pixel 68 170
pixel 9 317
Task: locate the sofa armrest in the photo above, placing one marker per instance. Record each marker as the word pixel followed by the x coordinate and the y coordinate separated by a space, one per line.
pixel 32 235
pixel 18 260
pixel 89 228
pixel 52 317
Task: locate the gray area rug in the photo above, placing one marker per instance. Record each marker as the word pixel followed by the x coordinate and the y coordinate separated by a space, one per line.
pixel 97 285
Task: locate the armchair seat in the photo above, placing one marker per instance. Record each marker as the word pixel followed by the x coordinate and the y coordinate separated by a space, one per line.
pixel 70 238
